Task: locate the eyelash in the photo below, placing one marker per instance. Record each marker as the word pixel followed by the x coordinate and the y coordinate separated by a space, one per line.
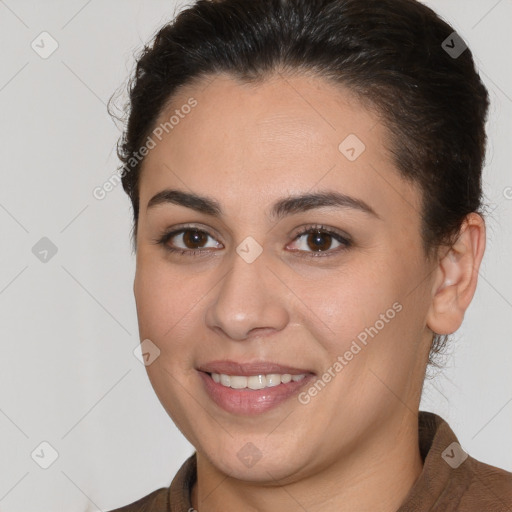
pixel 343 239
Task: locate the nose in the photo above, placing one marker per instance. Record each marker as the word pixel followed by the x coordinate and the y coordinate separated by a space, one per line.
pixel 249 301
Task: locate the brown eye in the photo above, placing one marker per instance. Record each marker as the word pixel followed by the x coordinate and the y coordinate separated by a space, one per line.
pixel 191 238
pixel 319 240
pixel 188 241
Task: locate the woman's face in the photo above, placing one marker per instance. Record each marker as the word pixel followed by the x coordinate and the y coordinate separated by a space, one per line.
pixel 346 306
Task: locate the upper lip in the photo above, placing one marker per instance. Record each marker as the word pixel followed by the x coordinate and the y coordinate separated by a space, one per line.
pixel 254 368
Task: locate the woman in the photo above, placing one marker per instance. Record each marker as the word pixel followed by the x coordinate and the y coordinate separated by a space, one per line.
pixel 305 179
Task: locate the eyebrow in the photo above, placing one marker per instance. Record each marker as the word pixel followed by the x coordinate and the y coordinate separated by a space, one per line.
pixel 281 208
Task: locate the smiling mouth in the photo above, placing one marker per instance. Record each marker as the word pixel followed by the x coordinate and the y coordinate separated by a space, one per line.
pixel 255 382
pixel 255 392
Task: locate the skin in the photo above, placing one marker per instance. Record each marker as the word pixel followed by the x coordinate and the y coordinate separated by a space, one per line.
pixel 248 146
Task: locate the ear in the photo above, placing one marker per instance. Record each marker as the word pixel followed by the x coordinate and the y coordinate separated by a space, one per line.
pixel 456 277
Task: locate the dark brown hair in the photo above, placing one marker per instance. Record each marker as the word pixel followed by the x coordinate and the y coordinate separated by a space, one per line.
pixel 391 53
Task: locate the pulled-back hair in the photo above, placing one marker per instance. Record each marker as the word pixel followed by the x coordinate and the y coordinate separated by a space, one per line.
pixel 391 53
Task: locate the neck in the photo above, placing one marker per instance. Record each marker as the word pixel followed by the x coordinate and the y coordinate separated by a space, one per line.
pixel 377 476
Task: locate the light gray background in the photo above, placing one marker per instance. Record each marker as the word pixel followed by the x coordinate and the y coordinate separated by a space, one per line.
pixel 68 374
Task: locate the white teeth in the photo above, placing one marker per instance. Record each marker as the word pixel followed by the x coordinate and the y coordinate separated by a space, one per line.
pixel 237 382
pixel 273 379
pixel 255 381
pixel 286 378
pixel 225 380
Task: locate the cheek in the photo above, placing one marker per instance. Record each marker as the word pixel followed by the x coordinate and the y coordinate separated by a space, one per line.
pixel 165 309
pixel 166 302
pixel 369 329
pixel 346 302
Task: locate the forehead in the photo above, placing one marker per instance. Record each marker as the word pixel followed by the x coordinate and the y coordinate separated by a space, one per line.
pixel 276 110
pixel 259 140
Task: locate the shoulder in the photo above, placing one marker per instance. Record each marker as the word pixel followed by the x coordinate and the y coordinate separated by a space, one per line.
pixel 490 487
pixel 156 501
pixel 452 480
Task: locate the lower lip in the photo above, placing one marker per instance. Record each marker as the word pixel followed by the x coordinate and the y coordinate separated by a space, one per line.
pixel 251 401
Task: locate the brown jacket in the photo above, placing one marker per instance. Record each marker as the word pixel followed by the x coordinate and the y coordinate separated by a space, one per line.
pixel 450 480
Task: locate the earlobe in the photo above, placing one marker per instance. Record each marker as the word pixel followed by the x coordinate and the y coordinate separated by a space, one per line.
pixel 457 276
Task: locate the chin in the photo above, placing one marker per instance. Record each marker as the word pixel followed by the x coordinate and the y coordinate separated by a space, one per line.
pixel 250 463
